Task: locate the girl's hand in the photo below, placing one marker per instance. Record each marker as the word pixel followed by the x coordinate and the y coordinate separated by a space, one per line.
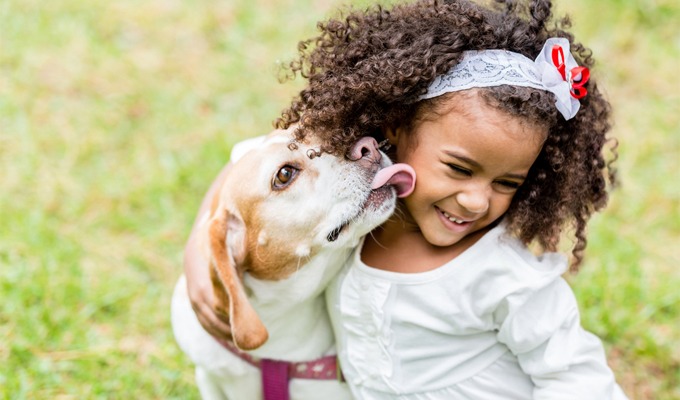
pixel 197 272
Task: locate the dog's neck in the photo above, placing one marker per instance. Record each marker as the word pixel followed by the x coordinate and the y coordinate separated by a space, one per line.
pixel 299 298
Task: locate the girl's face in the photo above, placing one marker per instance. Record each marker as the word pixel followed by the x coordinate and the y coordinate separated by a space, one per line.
pixel 469 162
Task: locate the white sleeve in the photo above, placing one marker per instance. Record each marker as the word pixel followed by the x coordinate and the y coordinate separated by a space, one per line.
pixel 564 361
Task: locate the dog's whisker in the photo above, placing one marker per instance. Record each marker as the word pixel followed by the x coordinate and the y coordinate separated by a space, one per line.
pixel 376 240
pixel 258 256
pixel 300 263
pixel 399 212
pixel 297 269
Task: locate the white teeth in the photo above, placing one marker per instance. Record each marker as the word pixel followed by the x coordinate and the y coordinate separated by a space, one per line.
pixel 452 219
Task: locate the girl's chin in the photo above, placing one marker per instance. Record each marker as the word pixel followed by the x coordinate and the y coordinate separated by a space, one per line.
pixel 444 237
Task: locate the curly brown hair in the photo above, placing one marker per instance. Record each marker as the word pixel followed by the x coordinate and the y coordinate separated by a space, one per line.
pixel 366 70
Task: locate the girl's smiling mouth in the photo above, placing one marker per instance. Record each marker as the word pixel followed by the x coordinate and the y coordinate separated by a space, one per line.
pixel 453 222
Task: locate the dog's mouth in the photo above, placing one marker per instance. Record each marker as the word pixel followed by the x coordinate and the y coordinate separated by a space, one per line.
pixel 399 176
pixel 375 198
pixel 333 236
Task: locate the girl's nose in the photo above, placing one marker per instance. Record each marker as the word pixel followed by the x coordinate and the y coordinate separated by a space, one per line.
pixel 475 199
pixel 365 148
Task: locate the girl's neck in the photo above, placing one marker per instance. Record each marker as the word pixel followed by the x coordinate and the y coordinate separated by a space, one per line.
pixel 399 246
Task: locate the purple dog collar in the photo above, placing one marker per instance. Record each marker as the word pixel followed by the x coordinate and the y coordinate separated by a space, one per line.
pixel 276 374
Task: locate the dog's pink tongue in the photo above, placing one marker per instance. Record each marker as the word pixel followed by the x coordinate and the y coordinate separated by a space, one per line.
pixel 401 176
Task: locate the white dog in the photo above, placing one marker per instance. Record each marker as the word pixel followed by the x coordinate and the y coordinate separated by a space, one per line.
pixel 282 225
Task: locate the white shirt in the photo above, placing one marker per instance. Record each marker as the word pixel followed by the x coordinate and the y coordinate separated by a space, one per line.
pixel 496 322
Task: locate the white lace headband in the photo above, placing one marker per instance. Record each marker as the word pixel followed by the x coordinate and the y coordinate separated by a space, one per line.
pixel 550 71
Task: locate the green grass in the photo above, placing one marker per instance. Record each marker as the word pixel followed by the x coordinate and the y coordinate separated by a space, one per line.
pixel 115 117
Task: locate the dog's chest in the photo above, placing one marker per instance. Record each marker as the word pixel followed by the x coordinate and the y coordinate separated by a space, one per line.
pixel 307 283
pixel 294 309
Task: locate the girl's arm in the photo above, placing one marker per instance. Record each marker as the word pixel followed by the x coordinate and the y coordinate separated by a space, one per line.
pixel 197 271
pixel 564 360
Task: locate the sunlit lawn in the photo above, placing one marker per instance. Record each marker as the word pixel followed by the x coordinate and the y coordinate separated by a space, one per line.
pixel 115 117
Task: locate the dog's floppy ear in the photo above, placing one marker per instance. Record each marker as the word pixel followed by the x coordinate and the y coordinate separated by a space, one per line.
pixel 227 236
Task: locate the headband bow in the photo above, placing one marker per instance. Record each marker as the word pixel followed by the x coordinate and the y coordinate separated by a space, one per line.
pixel 554 70
pixel 562 75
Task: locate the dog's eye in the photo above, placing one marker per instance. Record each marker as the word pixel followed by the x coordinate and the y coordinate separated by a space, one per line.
pixel 285 174
pixel 284 177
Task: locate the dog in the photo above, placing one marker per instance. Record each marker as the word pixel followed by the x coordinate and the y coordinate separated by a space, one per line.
pixel 282 225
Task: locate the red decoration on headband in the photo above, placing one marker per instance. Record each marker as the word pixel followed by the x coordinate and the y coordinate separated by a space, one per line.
pixel 578 76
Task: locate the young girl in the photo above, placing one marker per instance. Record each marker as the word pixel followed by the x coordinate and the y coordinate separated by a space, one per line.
pixel 496 112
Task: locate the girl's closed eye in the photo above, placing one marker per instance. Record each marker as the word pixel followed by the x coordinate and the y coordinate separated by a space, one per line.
pixel 504 186
pixel 460 170
pixel 507 186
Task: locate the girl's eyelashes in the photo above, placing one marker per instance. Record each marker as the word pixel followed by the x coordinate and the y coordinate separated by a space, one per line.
pixel 460 170
pixel 507 186
pixel 504 186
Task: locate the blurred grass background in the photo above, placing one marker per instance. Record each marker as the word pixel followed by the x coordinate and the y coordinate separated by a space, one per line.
pixel 116 116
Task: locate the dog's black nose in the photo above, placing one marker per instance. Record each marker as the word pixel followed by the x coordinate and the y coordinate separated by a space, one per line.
pixel 365 148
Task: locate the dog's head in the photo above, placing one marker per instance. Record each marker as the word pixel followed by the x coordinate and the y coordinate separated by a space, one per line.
pixel 283 202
